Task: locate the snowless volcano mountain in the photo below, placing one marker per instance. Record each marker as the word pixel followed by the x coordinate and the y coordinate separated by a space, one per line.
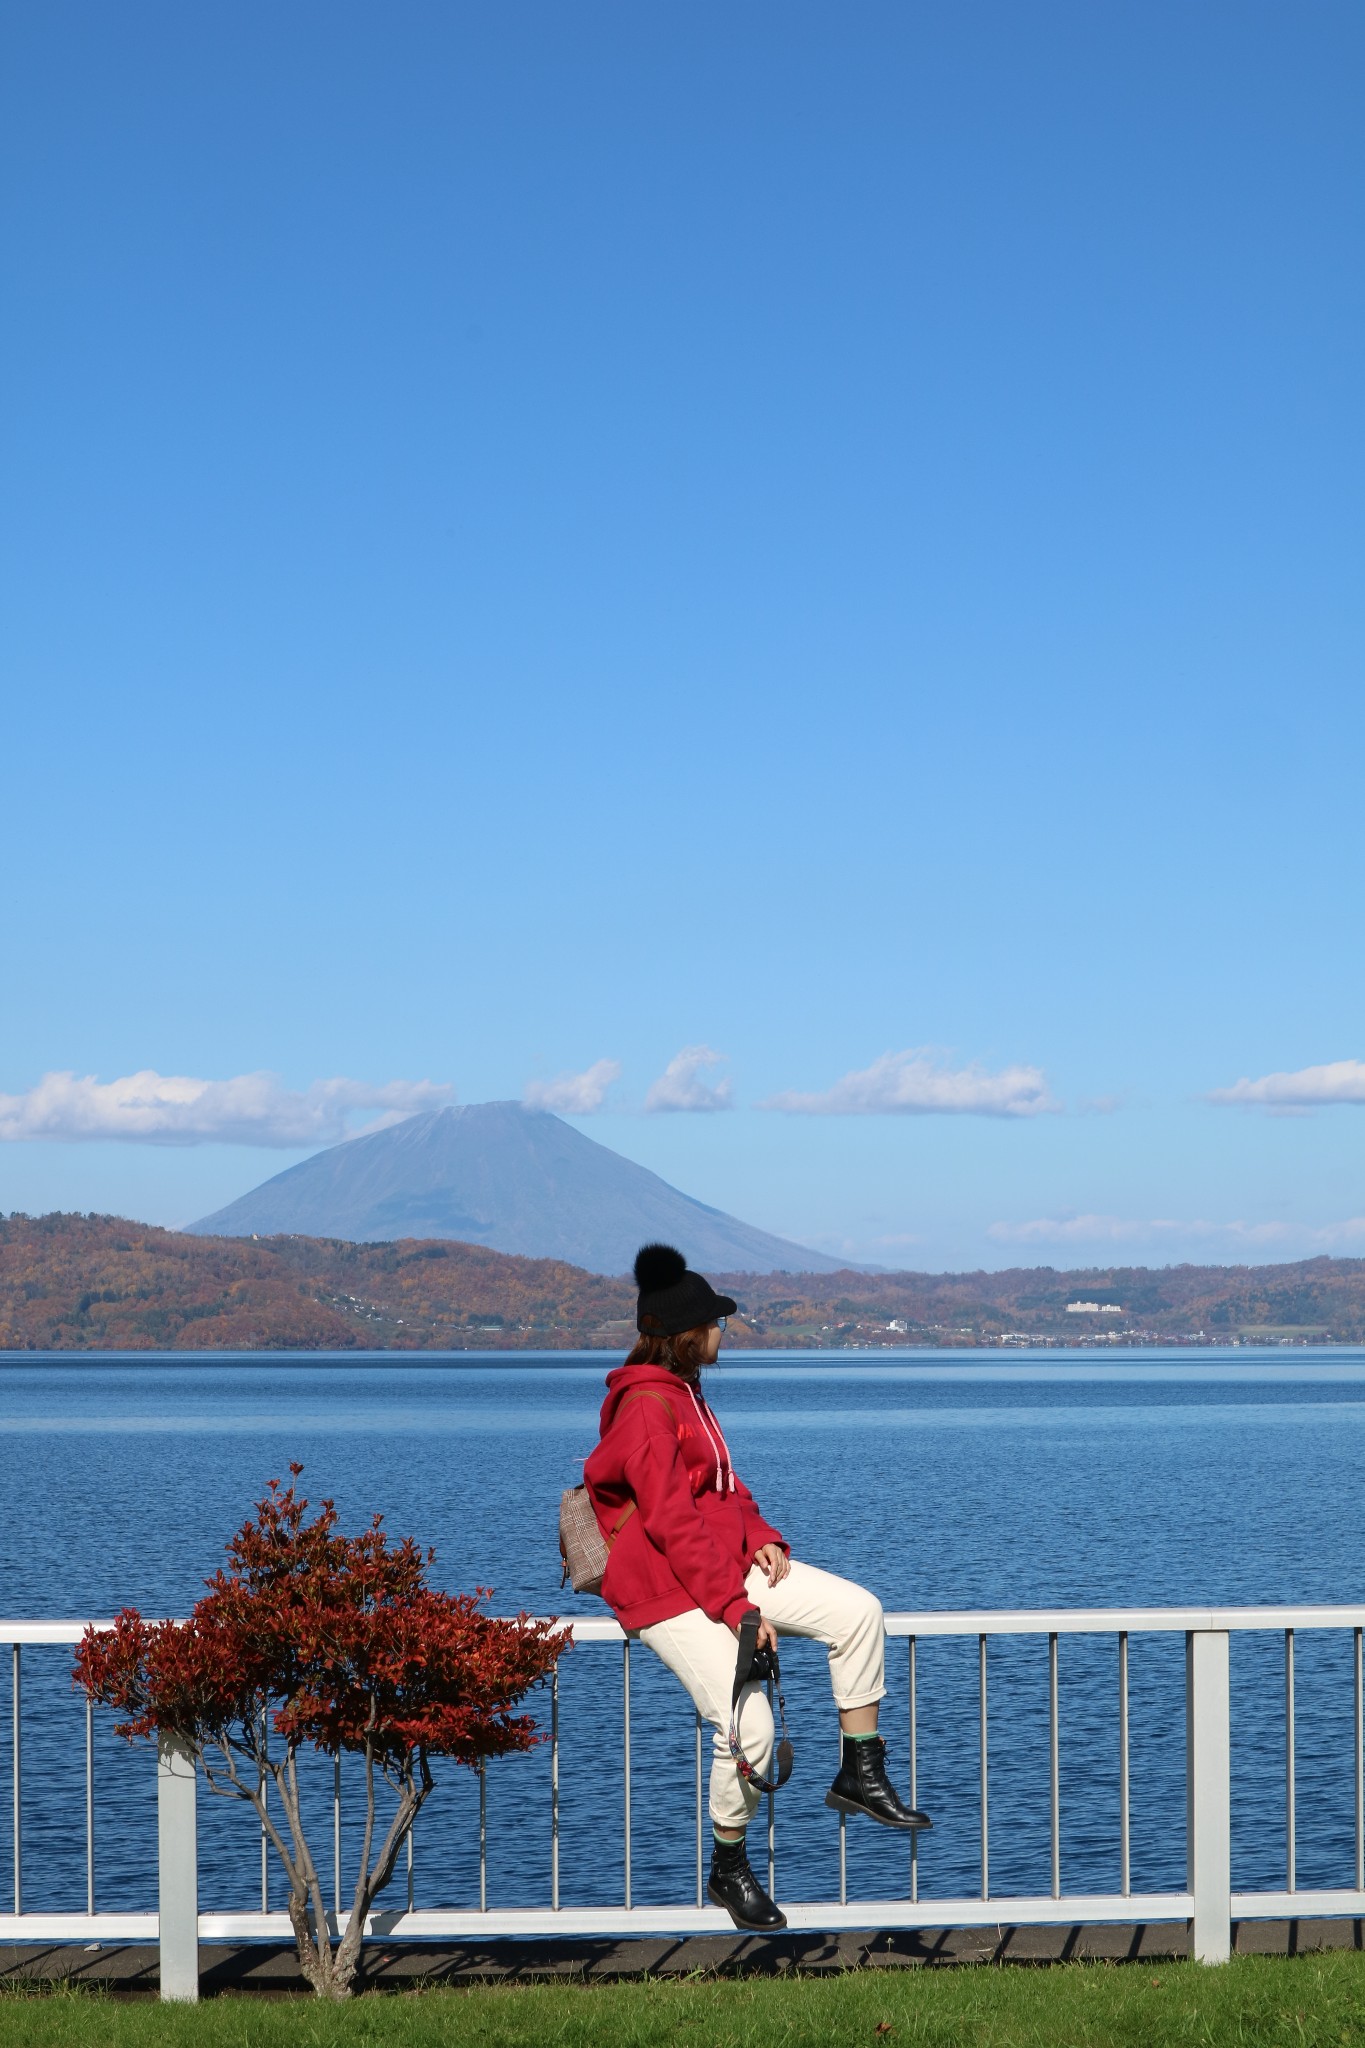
pixel 515 1179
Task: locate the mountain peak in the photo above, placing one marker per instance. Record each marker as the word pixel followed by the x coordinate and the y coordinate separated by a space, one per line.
pixel 507 1176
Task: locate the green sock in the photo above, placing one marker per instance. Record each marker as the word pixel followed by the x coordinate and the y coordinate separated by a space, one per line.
pixel 871 1736
pixel 726 1841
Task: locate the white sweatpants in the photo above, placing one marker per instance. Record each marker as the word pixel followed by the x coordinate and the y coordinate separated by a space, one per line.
pixel 808 1602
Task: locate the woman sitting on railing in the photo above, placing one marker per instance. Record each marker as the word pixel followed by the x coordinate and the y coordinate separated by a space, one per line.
pixel 698 1556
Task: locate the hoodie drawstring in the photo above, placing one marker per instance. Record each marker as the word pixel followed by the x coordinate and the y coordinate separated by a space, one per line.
pixel 725 1471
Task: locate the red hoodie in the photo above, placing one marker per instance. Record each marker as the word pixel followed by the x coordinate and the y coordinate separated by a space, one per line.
pixel 697 1528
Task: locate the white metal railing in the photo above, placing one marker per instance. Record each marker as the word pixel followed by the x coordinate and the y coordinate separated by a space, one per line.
pixel 1207 1901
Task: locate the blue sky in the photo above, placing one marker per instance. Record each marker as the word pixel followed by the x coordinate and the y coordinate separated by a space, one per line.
pixel 553 535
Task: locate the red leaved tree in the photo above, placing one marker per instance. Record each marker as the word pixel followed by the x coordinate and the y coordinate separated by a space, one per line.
pixel 338 1642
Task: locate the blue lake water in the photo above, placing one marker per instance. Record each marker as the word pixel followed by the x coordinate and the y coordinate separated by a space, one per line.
pixel 962 1480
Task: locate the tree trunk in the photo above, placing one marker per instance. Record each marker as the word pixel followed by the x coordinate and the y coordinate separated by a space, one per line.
pixel 331 1974
pixel 333 1971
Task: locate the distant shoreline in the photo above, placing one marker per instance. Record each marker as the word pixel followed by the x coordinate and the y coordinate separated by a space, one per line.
pixel 567 1357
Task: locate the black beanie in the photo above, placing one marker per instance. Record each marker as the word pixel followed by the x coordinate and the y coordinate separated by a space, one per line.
pixel 671 1298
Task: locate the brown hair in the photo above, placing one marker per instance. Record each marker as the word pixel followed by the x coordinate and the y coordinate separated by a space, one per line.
pixel 684 1354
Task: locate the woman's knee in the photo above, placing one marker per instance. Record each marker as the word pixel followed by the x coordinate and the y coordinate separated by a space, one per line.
pixel 863 1616
pixel 756 1731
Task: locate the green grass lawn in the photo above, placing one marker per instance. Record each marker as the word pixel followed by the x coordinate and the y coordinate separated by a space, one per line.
pixel 1306 1999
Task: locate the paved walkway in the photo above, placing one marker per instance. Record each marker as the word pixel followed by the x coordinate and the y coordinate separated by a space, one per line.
pixel 271 1967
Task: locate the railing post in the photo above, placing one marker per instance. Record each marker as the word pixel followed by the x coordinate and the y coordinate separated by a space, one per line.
pixel 1208 1772
pixel 177 1871
pixel 18 1789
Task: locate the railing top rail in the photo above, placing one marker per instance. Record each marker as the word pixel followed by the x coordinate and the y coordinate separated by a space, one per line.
pixel 1082 1621
pixel 1069 1621
pixel 47 1631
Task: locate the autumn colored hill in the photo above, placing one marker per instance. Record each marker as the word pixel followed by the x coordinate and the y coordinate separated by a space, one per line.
pixel 1312 1301
pixel 100 1283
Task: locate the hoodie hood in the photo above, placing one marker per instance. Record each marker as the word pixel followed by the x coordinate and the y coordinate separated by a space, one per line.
pixel 694 1415
pixel 629 1379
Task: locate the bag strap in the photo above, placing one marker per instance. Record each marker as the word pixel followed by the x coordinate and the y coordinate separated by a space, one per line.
pixel 646 1394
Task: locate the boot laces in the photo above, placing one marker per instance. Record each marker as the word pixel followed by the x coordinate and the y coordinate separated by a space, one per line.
pixel 872 1757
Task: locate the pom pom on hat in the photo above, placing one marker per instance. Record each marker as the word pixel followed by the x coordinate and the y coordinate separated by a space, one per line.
pixel 672 1298
pixel 658 1265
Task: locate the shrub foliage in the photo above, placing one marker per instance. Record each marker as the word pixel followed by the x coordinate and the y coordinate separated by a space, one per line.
pixel 311 1637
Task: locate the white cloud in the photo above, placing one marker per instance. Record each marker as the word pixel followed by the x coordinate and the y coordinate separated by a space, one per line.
pixel 574 1094
pixel 1309 1088
pixel 1157 1230
pixel 914 1083
pixel 1089 1230
pixel 680 1086
pixel 175 1109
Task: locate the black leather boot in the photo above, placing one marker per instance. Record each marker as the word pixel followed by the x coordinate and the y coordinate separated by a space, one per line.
pixel 862 1786
pixel 734 1886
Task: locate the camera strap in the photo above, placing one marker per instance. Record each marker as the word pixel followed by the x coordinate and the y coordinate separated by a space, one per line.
pixel 753 1667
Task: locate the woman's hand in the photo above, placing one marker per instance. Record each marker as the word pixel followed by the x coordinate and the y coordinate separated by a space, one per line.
pixel 766 1638
pixel 775 1563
